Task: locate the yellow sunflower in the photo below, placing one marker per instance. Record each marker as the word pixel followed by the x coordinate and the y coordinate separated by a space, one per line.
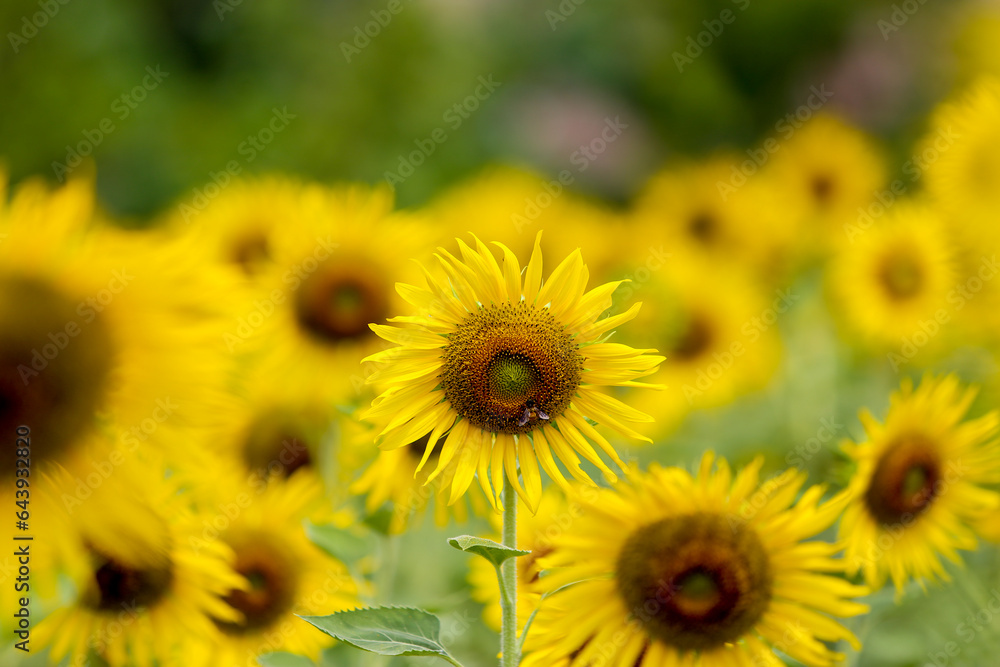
pixel 325 281
pixel 400 477
pixel 828 170
pixel 711 209
pixel 101 326
pixel 508 369
pixel 535 533
pixel 706 570
pixel 893 282
pixel 717 332
pixel 147 582
pixel 286 574
pixel 918 489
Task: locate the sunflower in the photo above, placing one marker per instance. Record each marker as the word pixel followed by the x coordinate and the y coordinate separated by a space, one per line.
pixel 960 154
pixel 717 332
pixel 895 277
pixel 710 209
pixel 286 575
pixel 147 582
pixel 400 477
pixel 918 489
pixel 535 533
pixel 682 570
pixel 236 229
pixel 324 282
pixel 101 327
pixel 509 369
pixel 828 170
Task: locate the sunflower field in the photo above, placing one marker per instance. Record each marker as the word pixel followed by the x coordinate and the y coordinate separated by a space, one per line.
pixel 558 334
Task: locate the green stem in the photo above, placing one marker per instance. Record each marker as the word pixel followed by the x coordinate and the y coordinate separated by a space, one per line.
pixel 510 651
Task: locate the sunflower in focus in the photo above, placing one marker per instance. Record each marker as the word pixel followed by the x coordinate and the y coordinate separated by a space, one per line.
pixel 708 570
pixel 399 477
pixel 508 369
pixel 895 277
pixel 535 533
pixel 100 326
pixel 148 580
pixel 829 170
pixel 285 575
pixel 919 486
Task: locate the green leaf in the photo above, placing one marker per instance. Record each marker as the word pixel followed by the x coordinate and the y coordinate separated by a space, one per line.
pixel 380 520
pixel 386 630
pixel 284 660
pixel 343 545
pixel 494 552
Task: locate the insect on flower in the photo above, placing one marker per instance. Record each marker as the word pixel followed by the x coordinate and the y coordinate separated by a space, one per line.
pixel 531 413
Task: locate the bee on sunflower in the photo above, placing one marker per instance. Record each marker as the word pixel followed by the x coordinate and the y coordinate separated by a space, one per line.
pixel 508 369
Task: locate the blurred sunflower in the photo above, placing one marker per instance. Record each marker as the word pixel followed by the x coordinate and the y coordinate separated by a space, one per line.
pixel 285 574
pixel 535 533
pixel 964 174
pixel 710 209
pixel 718 334
pixel 325 282
pixel 829 170
pixel 511 371
pixel 236 229
pixel 894 277
pixel 148 582
pixel 101 327
pixel 682 570
pixel 918 489
pixel 400 477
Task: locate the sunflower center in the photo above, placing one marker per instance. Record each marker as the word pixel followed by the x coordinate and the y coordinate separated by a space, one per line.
pixel 902 276
pixel 56 356
pixel 507 364
pixel 118 584
pixel 269 571
pixel 821 187
pixel 277 441
pixel 695 582
pixel 905 481
pixel 703 227
pixel 336 302
pixel 250 251
pixel 695 338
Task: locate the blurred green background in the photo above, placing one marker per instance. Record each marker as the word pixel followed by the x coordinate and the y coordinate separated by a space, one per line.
pixel 562 66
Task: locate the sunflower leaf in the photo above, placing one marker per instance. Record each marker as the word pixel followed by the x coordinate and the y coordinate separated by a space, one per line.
pixel 494 552
pixel 386 630
pixel 284 660
pixel 343 545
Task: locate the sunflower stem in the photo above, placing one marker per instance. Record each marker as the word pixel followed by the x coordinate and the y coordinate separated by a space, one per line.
pixel 510 652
